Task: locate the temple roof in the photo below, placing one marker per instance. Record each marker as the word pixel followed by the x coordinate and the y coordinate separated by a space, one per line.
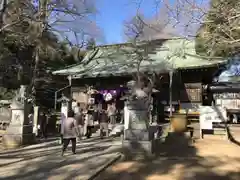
pixel 123 59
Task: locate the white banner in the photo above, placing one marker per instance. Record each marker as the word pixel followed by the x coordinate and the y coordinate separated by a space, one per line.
pixel 209 114
pixel 64 115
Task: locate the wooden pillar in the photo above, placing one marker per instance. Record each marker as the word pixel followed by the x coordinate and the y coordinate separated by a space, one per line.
pixel 35 120
pixel 170 91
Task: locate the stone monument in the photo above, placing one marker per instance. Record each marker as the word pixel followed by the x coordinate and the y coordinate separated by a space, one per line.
pixel 137 136
pixel 19 131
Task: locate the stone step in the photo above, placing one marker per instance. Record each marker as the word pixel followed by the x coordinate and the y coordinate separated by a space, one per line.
pixel 214 137
pixel 116 133
pixel 117 130
pixel 220 132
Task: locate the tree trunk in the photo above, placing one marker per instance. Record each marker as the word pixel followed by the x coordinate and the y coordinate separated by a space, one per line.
pixel 41 26
pixel 34 76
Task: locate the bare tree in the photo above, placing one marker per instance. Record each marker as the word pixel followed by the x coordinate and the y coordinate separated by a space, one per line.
pixel 151 29
pixel 140 38
pixel 219 21
pixel 67 19
pixel 170 17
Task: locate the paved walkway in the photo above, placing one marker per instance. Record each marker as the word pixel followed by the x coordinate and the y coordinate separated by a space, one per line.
pixel 205 160
pixel 44 161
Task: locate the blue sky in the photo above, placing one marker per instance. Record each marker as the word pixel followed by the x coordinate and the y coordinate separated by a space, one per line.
pixel 112 15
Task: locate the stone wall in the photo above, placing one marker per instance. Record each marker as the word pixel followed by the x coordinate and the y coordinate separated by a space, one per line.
pixel 5 117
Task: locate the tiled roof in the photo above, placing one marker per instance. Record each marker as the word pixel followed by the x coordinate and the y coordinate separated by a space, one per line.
pixel 122 59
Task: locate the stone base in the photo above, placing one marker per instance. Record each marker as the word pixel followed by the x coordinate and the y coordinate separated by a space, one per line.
pixel 138 148
pixel 157 145
pixel 138 135
pixel 19 129
pixel 18 135
pixel 11 141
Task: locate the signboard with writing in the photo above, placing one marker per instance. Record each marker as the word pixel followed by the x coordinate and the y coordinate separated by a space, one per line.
pixel 210 114
pixel 227 95
pixel 228 100
pixel 230 103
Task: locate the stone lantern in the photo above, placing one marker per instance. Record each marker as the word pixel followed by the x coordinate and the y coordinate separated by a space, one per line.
pixel 19 131
pixel 137 136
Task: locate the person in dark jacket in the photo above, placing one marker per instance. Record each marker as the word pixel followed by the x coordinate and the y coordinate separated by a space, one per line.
pixel 89 123
pixel 103 123
pixel 80 122
pixel 43 125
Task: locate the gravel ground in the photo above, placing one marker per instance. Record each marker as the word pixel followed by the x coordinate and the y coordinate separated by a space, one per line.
pixel 208 159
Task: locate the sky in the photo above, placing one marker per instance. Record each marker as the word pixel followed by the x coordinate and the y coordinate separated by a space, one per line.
pixel 107 25
pixel 112 15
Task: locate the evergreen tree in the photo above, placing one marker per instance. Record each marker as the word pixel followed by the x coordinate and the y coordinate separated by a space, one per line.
pixel 220 33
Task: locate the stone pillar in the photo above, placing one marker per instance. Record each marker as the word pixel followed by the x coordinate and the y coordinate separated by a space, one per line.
pixel 64 112
pixel 137 137
pixel 19 131
pixel 126 116
pixel 35 120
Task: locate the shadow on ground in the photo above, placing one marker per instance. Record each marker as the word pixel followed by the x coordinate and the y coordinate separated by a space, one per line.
pixel 47 163
pixel 176 159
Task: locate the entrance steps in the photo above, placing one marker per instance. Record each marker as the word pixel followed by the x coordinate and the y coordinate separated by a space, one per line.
pixel 216 133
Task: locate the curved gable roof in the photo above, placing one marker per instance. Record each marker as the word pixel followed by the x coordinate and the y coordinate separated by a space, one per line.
pixel 123 59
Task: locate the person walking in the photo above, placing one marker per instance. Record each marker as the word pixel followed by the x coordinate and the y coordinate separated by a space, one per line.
pixel 63 118
pixel 89 123
pixel 103 123
pixel 43 125
pixel 95 114
pixel 111 111
pixel 80 122
pixel 70 132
